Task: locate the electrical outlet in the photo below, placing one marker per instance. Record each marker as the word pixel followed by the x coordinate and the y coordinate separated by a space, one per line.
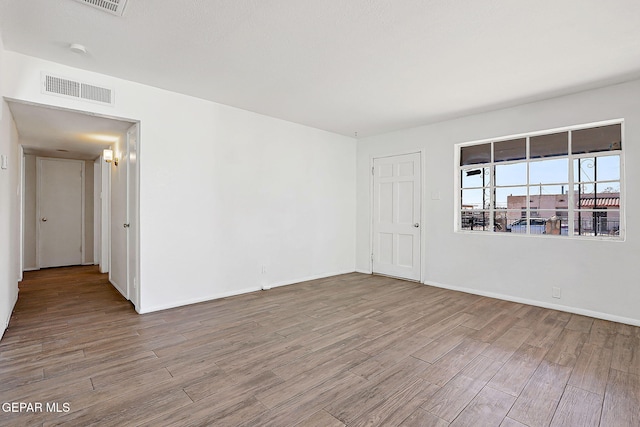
pixel 556 292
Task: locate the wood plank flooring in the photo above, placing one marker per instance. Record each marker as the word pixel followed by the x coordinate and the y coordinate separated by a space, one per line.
pixel 350 350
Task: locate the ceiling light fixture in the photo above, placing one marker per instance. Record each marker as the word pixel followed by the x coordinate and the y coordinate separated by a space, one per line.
pixel 78 48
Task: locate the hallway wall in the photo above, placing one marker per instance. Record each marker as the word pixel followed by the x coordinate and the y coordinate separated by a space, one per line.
pixel 9 216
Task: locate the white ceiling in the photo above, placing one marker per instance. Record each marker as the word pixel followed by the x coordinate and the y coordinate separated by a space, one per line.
pixel 366 66
pixel 62 133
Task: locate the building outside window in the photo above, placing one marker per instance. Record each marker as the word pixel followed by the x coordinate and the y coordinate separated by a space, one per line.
pixel 564 183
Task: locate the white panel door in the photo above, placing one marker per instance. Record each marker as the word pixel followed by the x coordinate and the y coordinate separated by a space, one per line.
pixel 118 227
pixel 132 215
pixel 60 219
pixel 396 216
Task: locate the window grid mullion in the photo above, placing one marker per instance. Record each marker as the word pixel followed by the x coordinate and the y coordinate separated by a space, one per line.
pixel 572 198
pixel 492 188
pixel 528 200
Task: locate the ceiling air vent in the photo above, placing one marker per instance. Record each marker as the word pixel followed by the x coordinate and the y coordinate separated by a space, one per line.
pixel 54 85
pixel 114 7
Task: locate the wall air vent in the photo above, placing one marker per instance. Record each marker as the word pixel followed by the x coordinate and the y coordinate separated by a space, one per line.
pixel 95 93
pixel 59 86
pixel 114 7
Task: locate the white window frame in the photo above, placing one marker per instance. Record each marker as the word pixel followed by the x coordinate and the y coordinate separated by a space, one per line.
pixel 571 206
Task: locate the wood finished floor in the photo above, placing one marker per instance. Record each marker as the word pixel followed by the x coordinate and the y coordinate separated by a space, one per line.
pixel 349 350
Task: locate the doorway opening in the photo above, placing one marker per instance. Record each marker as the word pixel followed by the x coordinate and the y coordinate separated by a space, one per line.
pixel 77 208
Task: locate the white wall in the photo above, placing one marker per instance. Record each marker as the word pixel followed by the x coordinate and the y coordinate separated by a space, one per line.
pixel 9 217
pixel 104 225
pixel 97 210
pixel 599 278
pixel 30 189
pixel 222 191
pixel 9 210
pixel 88 213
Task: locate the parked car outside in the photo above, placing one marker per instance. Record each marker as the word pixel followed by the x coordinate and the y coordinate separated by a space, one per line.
pixel 520 226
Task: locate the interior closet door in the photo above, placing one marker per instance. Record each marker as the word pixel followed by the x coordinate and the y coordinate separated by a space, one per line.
pixel 60 212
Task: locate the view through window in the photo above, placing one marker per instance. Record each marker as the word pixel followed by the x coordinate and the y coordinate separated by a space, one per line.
pixel 564 183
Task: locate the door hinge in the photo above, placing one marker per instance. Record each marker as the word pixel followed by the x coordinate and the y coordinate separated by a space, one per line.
pixel 372 170
pixel 372 257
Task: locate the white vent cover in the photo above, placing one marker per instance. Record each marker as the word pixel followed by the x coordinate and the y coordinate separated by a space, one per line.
pixel 114 7
pixel 55 85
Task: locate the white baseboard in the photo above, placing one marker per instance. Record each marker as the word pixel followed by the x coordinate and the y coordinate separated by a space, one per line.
pixel 118 288
pixel 364 271
pixel 212 297
pixel 544 304
pixel 38 268
pixel 5 324
pixel 308 278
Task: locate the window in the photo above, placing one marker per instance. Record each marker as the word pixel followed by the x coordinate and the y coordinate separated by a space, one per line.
pixel 564 183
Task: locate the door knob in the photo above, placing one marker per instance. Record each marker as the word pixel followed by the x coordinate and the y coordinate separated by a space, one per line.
pixel 416 225
pixel 44 219
pixel 125 225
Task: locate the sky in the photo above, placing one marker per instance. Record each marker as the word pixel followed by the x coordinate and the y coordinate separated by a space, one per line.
pixel 546 176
